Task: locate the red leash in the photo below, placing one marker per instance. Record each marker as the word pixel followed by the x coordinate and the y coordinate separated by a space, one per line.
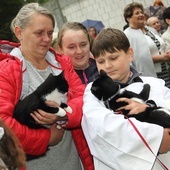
pixel 144 141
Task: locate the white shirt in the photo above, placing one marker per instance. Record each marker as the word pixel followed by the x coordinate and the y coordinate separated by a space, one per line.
pixel 144 47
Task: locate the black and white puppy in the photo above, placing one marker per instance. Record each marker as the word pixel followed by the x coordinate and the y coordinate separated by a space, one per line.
pixel 105 89
pixel 54 88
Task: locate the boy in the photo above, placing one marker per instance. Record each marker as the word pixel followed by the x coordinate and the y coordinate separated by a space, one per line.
pixel 113 140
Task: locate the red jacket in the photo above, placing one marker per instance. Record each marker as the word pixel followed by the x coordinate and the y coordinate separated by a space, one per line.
pixel 35 142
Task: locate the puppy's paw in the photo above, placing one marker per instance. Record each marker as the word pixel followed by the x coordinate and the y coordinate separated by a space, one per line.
pixel 61 112
pixel 68 109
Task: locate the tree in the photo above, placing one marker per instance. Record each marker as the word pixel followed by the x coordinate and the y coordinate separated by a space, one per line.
pixel 8 10
pixel 39 1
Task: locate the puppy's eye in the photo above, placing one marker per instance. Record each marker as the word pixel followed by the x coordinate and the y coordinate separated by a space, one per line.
pixel 94 88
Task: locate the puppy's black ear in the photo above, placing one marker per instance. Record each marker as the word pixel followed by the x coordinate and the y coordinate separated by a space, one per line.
pixel 103 73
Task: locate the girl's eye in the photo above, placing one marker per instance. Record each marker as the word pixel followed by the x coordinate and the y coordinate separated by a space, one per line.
pixel 71 47
pixel 83 45
pixel 113 58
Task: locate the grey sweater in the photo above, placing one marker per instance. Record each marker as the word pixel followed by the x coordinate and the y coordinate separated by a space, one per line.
pixel 62 156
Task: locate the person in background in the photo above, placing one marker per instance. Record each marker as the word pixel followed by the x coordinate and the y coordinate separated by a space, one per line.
pixel 74 41
pixel 156 10
pixel 149 27
pixel 92 32
pixel 27 66
pixel 54 41
pixel 158 3
pixel 150 57
pixel 154 23
pixel 12 155
pixel 114 142
pixel 54 44
pixel 166 34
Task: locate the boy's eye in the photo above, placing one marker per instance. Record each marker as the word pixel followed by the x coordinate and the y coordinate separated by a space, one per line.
pixel 114 58
pixel 100 62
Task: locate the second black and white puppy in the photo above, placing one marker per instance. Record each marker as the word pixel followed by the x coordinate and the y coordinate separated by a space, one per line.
pixel 105 89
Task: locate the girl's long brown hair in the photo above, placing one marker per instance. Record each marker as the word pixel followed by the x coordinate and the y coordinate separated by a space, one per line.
pixel 11 151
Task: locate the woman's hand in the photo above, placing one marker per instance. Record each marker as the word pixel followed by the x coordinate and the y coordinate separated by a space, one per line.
pixel 56 135
pixel 164 57
pixel 61 121
pixel 51 103
pixel 134 107
pixel 44 118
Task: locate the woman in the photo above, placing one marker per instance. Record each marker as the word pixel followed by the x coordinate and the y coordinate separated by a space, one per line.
pixel 73 40
pixel 149 55
pixel 92 32
pixel 20 75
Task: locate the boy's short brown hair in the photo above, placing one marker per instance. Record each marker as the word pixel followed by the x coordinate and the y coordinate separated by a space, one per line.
pixel 110 40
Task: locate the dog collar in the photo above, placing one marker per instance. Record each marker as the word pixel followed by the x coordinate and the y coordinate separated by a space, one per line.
pixel 106 102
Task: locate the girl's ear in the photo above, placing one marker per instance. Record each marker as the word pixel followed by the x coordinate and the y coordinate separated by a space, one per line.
pixel 18 33
pixel 60 50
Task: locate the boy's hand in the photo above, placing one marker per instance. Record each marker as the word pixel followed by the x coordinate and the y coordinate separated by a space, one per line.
pixel 134 107
pixel 165 145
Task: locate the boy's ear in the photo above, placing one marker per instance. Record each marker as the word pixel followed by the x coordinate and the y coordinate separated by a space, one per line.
pixel 130 54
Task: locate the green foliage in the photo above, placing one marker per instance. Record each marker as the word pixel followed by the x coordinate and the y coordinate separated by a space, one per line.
pixel 39 1
pixel 8 10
